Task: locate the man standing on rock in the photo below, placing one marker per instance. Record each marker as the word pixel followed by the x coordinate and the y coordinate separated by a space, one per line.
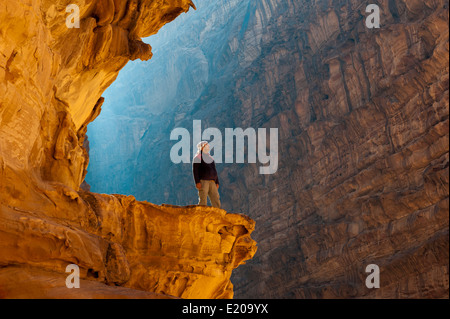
pixel 205 176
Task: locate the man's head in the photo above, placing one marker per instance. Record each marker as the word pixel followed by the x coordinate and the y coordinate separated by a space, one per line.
pixel 203 146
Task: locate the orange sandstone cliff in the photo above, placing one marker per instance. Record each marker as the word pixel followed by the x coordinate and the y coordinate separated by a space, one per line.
pixel 51 81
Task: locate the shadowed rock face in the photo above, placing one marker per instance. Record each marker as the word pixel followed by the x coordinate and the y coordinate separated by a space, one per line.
pixel 51 82
pixel 363 122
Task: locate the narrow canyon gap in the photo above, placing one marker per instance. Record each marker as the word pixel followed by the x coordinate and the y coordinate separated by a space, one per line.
pixel 51 83
pixel 363 138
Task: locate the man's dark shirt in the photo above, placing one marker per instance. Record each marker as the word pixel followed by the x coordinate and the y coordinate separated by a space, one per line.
pixel 204 167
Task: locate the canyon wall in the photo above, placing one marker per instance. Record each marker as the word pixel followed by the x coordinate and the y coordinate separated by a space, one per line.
pixel 363 149
pixel 51 83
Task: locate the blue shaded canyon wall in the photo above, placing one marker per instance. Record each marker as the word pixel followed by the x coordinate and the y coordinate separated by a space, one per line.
pixel 363 124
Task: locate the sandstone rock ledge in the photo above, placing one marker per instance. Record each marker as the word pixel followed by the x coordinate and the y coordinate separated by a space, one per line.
pixel 51 81
pixel 186 252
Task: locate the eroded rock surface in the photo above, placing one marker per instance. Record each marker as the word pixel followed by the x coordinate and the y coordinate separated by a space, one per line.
pixel 187 252
pixel 51 81
pixel 363 149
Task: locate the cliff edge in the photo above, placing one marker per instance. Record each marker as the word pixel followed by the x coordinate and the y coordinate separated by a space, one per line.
pixel 51 81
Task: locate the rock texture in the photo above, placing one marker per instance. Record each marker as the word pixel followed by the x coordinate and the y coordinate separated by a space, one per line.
pixel 364 140
pixel 186 252
pixel 51 81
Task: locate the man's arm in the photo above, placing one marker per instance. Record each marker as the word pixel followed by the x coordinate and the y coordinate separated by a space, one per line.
pixel 195 172
pixel 217 175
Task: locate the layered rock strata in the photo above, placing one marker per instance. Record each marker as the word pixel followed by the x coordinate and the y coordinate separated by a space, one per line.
pixel 51 81
pixel 363 149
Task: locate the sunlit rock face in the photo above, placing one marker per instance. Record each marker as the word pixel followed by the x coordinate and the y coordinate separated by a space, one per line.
pixel 51 81
pixel 363 149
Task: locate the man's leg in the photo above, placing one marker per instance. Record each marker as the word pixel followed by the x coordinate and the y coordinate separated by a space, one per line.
pixel 214 196
pixel 203 193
